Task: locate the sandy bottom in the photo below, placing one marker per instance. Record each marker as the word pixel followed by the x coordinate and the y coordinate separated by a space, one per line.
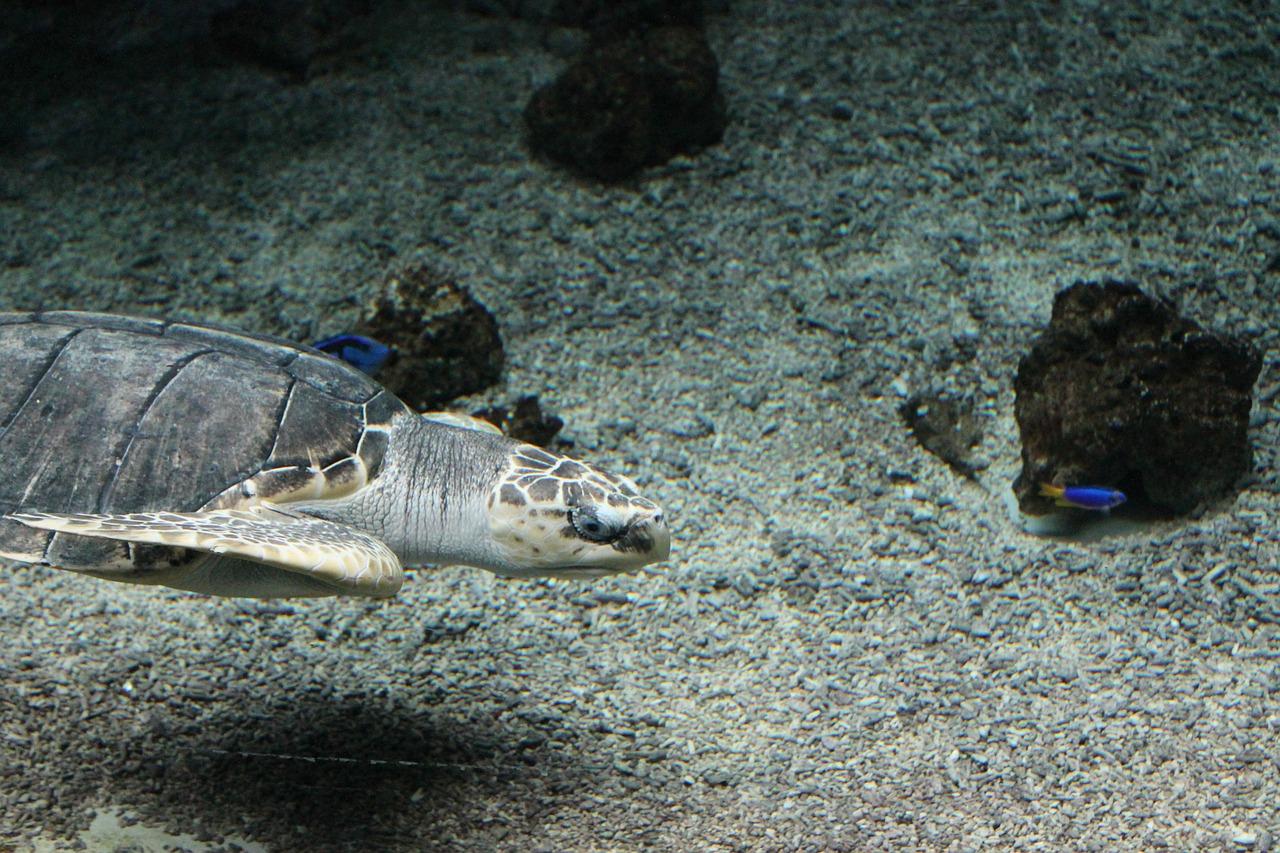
pixel 852 648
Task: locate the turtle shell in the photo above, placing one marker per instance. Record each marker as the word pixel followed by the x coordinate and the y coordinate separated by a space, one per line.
pixel 109 414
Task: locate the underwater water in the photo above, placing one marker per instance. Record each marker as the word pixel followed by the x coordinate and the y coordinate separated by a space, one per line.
pixel 851 646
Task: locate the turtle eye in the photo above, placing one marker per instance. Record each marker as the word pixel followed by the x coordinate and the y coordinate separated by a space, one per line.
pixel 590 526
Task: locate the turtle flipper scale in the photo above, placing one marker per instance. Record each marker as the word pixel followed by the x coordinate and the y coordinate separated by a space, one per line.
pixel 324 554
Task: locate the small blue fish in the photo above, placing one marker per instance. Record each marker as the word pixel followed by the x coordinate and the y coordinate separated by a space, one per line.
pixel 364 354
pixel 1084 497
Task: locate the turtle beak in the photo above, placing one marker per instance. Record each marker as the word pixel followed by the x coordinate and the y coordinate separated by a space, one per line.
pixel 661 538
pixel 647 536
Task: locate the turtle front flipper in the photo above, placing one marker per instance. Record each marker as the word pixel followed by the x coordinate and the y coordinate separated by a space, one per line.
pixel 325 557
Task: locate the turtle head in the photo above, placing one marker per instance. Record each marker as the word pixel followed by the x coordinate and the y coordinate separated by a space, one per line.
pixel 552 516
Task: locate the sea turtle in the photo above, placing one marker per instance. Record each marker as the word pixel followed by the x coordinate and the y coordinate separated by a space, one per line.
pixel 233 464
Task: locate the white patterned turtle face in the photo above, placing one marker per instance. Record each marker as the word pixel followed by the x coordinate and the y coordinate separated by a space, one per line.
pixel 553 516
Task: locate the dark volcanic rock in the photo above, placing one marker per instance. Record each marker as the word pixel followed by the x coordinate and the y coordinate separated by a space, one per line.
pixel 1122 391
pixel 945 427
pixel 524 421
pixel 286 34
pixel 631 102
pixel 607 18
pixel 600 16
pixel 445 342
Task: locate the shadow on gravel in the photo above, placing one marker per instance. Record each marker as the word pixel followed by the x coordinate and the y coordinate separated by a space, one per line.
pixel 338 775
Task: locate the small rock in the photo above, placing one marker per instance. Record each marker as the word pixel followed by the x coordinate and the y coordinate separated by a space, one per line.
pixel 446 343
pixel 600 16
pixel 524 421
pixel 945 427
pixel 630 102
pixel 286 35
pixel 716 778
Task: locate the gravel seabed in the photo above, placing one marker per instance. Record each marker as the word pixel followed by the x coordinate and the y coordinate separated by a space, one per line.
pixel 852 648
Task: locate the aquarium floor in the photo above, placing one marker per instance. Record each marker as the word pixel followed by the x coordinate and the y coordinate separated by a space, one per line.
pixel 853 648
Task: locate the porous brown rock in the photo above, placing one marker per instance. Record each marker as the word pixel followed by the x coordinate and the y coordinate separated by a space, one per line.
pixel 630 102
pixel 287 35
pixel 1121 391
pixel 446 343
pixel 946 427
pixel 600 16
pixel 524 420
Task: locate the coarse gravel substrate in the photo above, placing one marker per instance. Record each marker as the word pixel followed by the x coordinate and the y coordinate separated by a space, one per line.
pixel 853 648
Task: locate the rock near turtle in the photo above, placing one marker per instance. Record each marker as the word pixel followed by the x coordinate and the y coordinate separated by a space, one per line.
pixel 446 343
